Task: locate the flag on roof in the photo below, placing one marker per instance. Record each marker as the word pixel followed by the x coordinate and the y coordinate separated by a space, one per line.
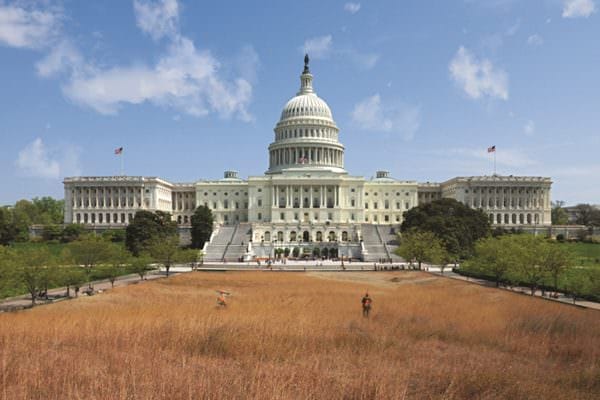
pixel 491 149
pixel 119 150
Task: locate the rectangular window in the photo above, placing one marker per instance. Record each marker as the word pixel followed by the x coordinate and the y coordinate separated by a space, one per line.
pixel 407 205
pixel 259 202
pixel 375 206
pixel 259 216
pixel 366 206
pixel 281 216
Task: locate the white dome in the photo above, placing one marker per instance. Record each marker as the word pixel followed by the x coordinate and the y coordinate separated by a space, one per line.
pixel 306 105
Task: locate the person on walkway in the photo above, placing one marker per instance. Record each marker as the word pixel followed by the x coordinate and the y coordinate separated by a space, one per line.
pixel 366 304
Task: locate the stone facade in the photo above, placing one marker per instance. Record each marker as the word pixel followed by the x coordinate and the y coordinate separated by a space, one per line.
pixel 305 189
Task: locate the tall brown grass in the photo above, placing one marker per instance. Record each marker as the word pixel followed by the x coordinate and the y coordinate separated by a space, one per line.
pixel 301 336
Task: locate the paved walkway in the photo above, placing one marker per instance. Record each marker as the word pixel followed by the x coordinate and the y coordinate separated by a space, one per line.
pixel 517 289
pixel 58 294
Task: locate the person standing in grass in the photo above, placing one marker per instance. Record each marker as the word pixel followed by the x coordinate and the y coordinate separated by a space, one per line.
pixel 366 304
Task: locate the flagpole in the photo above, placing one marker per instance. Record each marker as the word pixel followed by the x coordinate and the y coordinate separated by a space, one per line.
pixel 494 161
pixel 122 174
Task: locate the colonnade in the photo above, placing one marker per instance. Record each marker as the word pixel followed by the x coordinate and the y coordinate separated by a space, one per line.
pixel 295 196
pixel 506 198
pixel 107 197
pixel 306 155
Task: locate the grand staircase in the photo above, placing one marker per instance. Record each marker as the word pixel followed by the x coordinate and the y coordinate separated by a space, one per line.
pixel 380 243
pixel 238 244
pixel 229 243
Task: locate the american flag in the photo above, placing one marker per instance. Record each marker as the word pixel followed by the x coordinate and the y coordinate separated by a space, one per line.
pixel 491 149
pixel 119 150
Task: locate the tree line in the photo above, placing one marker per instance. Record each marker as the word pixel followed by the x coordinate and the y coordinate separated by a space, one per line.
pixel 150 241
pixel 445 231
pixel 16 220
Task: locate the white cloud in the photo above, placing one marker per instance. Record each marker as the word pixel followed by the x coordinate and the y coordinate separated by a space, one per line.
pixel 27 28
pixel 529 128
pixel 62 57
pixel 361 60
pixel 352 8
pixel 157 18
pixel 318 47
pixel 34 160
pixel 478 78
pixel 184 79
pixel 535 40
pixel 578 8
pixel 371 114
pixel 322 47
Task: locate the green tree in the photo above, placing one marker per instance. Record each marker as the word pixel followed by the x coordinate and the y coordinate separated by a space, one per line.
pixel 528 260
pixel 559 215
pixel 9 278
pixel 118 259
pixel 147 226
pixel 52 232
pixel 165 251
pixel 587 215
pixel 190 256
pixel 420 246
pixel 493 257
pixel 88 252
pixel 71 232
pixel 457 225
pixel 115 235
pixel 555 260
pixel 8 229
pixel 33 264
pixel 48 211
pixel 578 284
pixel 141 265
pixel 202 226
pixel 72 277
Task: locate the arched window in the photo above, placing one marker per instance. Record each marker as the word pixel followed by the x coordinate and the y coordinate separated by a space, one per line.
pixel 529 218
pixel 280 236
pixel 185 219
pixel 179 219
pixel 306 236
pixel 292 236
pixel 267 236
pixel 344 236
pixel 319 236
pixel 332 236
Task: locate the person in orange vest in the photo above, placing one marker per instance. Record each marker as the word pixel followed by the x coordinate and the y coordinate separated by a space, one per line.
pixel 221 301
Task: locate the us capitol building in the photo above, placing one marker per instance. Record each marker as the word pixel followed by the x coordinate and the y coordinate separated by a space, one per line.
pixel 305 197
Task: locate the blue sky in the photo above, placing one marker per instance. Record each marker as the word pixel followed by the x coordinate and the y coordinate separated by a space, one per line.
pixel 192 88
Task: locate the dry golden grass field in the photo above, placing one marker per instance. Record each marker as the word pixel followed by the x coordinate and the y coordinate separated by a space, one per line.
pixel 301 336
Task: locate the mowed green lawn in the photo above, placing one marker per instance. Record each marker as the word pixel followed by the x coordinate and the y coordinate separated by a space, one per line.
pixel 586 254
pixel 54 248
